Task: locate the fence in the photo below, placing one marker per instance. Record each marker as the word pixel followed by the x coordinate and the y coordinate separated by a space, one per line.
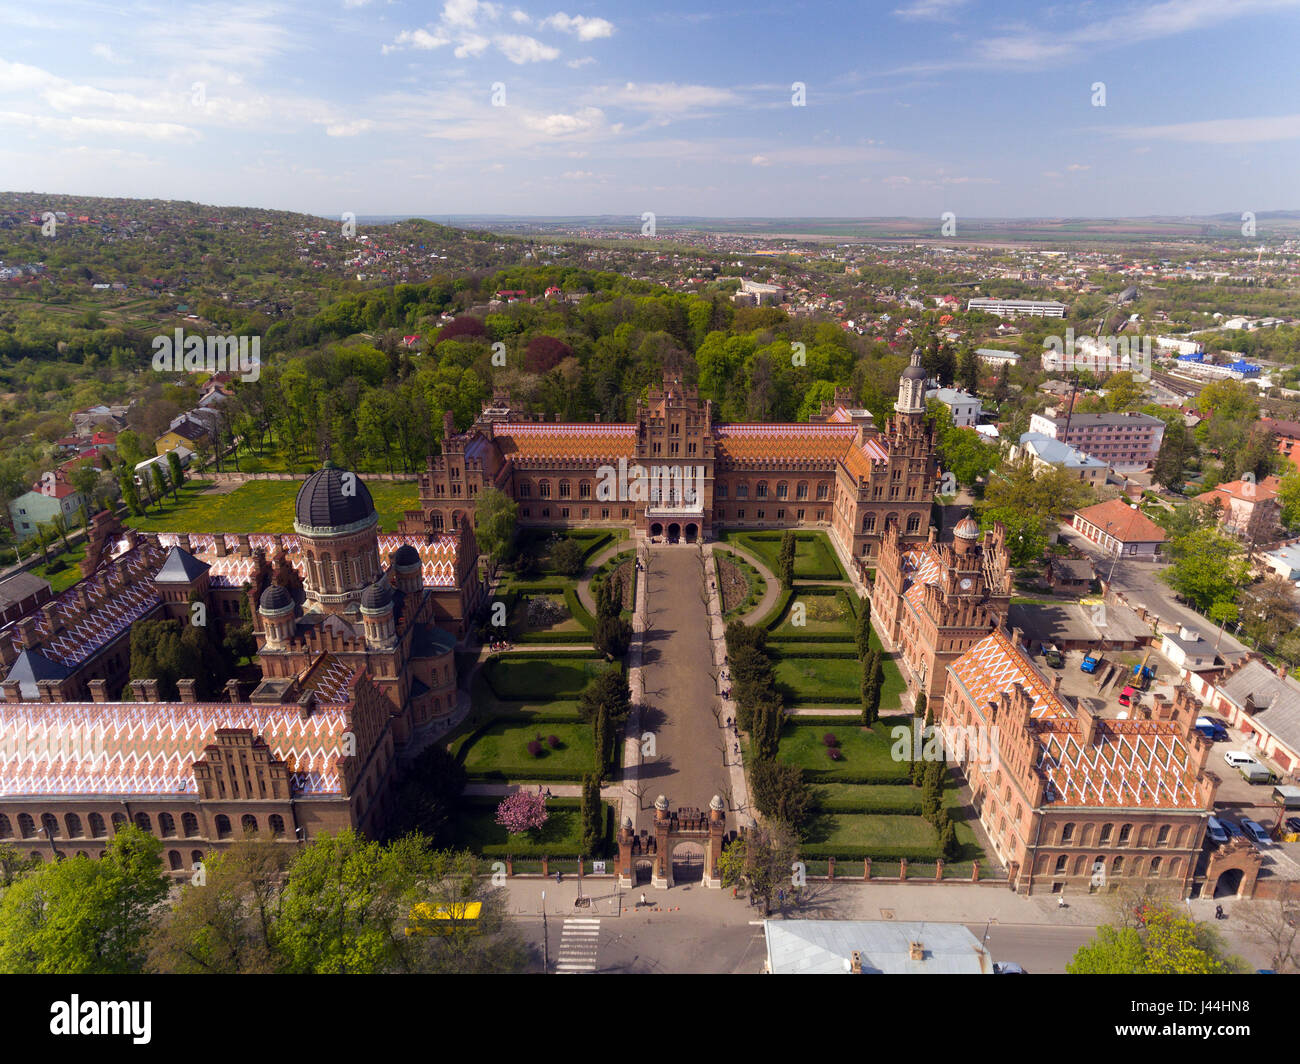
pixel 241 478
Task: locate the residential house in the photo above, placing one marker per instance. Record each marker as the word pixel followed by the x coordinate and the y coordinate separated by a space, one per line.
pixel 1120 529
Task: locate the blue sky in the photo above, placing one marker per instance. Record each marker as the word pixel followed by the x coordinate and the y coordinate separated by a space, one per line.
pixel 913 107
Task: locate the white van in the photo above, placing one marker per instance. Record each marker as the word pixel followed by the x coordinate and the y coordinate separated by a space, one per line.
pixel 1237 758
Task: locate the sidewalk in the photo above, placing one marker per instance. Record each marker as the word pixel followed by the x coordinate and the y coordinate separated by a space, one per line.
pixel 732 758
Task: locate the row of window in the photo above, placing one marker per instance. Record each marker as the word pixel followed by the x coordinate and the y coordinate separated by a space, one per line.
pixel 95 827
pixel 1155 866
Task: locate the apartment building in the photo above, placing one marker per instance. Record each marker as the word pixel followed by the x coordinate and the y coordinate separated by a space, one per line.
pixel 1126 442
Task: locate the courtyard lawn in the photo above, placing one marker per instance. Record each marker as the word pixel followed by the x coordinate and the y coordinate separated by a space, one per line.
pixel 814 557
pixel 809 678
pixel 261 506
pixel 875 835
pixel 900 798
pixel 567 629
pixel 520 676
pixel 499 751
pixel 560 836
pixel 64 575
pixel 864 753
pixel 825 613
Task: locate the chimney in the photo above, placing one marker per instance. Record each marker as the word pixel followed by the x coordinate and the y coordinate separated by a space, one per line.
pixel 916 951
pixel 1087 724
pixel 27 633
pixel 1056 683
pixel 13 691
pixel 1017 638
pixel 855 963
pixel 187 690
pixel 152 694
pixel 234 692
pixel 244 548
pixel 448 425
pixel 138 692
pixel 48 690
pixel 307 704
pixel 98 690
pixel 50 611
pixel 219 543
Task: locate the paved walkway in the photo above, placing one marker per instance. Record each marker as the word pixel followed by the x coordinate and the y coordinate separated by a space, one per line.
pixel 773 585
pixel 680 707
pixel 738 800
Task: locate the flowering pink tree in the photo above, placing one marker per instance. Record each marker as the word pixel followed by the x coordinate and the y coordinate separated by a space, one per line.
pixel 522 811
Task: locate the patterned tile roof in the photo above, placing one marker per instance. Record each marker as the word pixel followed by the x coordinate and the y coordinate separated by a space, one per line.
pixel 330 679
pixel 993 665
pixel 859 461
pixel 1131 763
pixel 150 747
pixel 437 557
pixel 120 606
pixel 541 440
pixel 920 567
pixel 815 441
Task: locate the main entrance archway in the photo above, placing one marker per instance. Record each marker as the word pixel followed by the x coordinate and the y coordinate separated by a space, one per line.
pixel 685 846
pixel 692 532
pixel 1232 870
pixel 688 862
pixel 674 532
pixel 656 529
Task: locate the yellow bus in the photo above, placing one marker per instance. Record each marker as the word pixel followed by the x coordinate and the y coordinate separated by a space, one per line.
pixel 427 919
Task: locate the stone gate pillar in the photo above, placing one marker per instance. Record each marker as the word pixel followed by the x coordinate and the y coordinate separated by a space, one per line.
pixel 626 866
pixel 662 875
pixel 713 849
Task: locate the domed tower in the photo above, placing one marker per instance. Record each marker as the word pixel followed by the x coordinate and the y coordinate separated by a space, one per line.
pixel 406 564
pixel 276 608
pixel 336 523
pixel 911 387
pixel 377 614
pixel 965 535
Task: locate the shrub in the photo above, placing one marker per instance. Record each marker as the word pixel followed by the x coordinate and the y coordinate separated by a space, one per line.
pixel 535 748
pixel 830 740
pixel 553 741
pixel 834 752
pixel 521 812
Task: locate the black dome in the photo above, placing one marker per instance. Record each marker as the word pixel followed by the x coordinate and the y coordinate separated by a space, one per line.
pixel 914 371
pixel 377 596
pixel 274 598
pixel 406 556
pixel 322 502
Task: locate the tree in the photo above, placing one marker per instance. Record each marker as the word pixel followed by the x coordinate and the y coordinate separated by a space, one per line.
pixel 609 689
pixel 863 634
pixel 968 369
pixel 14 865
pixel 81 916
pixel 780 792
pixel 1268 610
pixel 593 817
pixel 612 636
pixel 1171 458
pixel 177 472
pixel 226 924
pixel 948 839
pixel 921 707
pixel 522 812
pixel 932 789
pixel 1029 502
pixel 130 495
pixel 428 796
pixel 1166 943
pixel 159 482
pixel 1207 567
pixel 566 557
pixel 873 674
pixel 1288 496
pixel 785 561
pixel 760 861
pixel 496 517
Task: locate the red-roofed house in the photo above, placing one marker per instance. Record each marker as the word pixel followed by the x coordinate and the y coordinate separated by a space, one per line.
pixel 1246 507
pixel 1120 529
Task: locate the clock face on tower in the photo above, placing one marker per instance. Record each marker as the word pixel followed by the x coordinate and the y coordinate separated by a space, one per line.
pixel 966 584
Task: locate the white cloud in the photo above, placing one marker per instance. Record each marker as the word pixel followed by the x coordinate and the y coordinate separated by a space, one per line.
pixel 520 49
pixel 467 13
pixel 1221 130
pixel 930 9
pixel 586 29
pixel 760 160
pixel 421 40
pixel 1079 166
pixel 471 45
pixel 559 125
pixel 575 64
pixel 349 129
pixel 521 17
pixel 75 126
pixel 577 175
pixel 671 98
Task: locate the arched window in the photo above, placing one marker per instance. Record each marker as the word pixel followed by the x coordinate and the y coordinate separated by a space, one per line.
pixel 189 825
pixel 544 489
pixel 1163 837
pixel 525 489
pixel 196 858
pixel 782 489
pixel 6 828
pixel 143 822
pixel 584 489
pixel 51 825
pixel 1117 866
pixel 801 490
pixel 166 825
pixel 1104 838
pixel 913 522
pixel 1067 832
pixel 223 826
pixel 1060 865
pixel 248 824
pixel 435 519
pixel 174 860
pixel 73 824
pixel 1154 870
pixel 891 519
pixel 26 826
pixel 1124 833
pixel 760 490
pixel 97 826
pixel 277 825
pixel 564 489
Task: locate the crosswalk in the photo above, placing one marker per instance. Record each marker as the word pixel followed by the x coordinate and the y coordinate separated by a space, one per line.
pixel 578 944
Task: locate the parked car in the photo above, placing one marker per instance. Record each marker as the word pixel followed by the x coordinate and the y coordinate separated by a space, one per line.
pixel 1052 655
pixel 1237 758
pixel 1293 824
pixel 1212 729
pixel 1255 831
pixel 1008 968
pixel 1214 828
pixel 1234 832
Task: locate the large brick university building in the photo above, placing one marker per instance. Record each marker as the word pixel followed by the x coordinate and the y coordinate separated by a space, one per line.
pixel 355 636
pixel 677 474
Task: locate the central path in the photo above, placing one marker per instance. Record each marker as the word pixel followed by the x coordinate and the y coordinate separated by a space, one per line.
pixel 681 707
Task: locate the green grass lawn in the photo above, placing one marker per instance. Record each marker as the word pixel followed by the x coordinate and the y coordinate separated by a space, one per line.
pixel 518 676
pixel 828 613
pixel 500 751
pixel 871 835
pixel 520 628
pixel 62 578
pixel 477 830
pixel 261 506
pixel 864 753
pixel 814 557
pixel 826 680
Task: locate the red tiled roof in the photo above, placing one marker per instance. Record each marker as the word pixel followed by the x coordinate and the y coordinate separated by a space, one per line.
pixel 825 441
pixel 992 666
pixel 1243 490
pixel 559 440
pixel 1127 524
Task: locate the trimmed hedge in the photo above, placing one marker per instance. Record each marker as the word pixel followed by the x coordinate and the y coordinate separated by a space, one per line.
pixel 848 651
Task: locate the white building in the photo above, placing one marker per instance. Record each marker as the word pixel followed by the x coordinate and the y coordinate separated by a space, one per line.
pixel 993 357
pixel 964 407
pixel 1172 343
pixel 1019 308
